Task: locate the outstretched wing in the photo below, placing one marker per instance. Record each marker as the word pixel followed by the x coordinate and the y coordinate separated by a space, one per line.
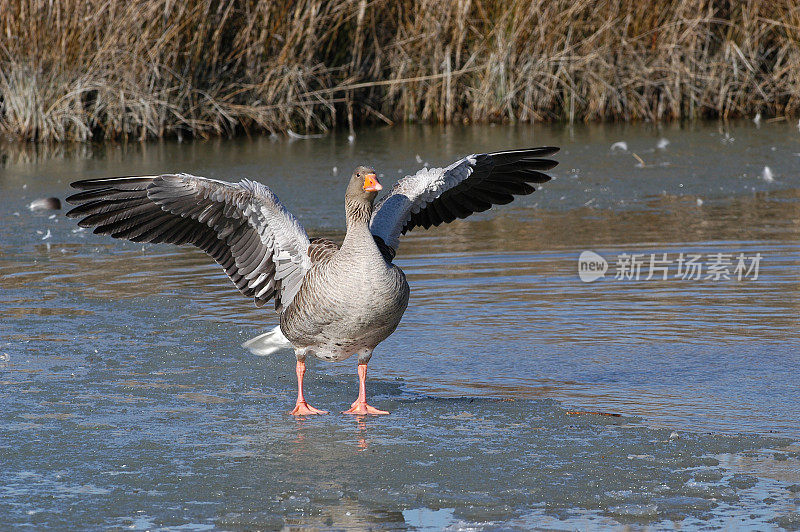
pixel 243 226
pixel 473 184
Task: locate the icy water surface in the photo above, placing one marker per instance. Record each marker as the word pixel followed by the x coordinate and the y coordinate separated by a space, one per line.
pixel 520 396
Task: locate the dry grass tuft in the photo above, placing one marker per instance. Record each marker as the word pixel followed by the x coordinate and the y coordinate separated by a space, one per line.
pixel 83 69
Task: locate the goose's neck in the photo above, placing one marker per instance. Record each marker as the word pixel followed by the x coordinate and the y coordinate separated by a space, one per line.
pixel 358 214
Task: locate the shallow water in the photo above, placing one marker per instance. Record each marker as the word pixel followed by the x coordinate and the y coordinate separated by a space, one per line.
pixel 128 402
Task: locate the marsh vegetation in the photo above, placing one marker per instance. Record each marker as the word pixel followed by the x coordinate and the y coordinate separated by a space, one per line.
pixel 91 69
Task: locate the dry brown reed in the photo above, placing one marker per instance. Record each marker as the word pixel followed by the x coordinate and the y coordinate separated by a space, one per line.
pixel 84 69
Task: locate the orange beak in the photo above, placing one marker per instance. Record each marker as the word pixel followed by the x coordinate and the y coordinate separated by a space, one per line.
pixel 371 183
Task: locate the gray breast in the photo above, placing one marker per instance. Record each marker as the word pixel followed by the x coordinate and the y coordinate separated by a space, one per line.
pixel 347 304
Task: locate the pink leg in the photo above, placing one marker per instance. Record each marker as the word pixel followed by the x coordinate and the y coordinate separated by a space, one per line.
pixel 302 408
pixel 360 405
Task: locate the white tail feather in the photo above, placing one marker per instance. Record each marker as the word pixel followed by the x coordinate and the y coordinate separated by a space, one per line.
pixel 268 343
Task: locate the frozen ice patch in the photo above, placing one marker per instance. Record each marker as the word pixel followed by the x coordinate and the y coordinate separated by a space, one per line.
pixel 429 520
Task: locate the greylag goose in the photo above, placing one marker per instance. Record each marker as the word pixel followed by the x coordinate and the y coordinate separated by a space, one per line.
pixel 333 301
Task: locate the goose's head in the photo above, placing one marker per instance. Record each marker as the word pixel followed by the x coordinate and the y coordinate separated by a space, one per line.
pixel 363 185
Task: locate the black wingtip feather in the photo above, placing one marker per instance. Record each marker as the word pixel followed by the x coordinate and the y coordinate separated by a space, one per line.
pixel 532 164
pixel 85 184
pixel 521 174
pixel 514 156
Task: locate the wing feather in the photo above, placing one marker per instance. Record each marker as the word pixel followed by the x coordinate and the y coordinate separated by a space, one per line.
pixel 475 183
pixel 242 226
pixel 321 250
